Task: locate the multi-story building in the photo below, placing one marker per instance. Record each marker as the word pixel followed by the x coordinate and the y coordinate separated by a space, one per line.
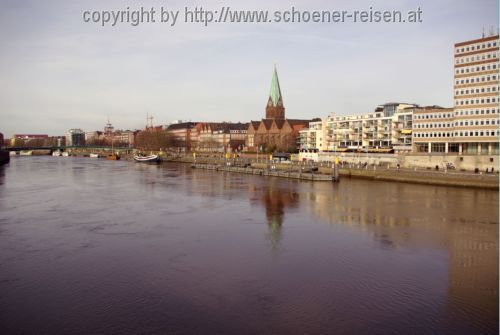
pixel 75 137
pixel 388 127
pixel 27 139
pixel 124 137
pixel 471 127
pixel 181 131
pixel 221 136
pixel 111 136
pixel 313 138
pixel 476 96
pixel 433 129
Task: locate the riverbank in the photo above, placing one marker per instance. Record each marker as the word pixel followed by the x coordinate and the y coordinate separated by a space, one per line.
pixel 324 171
pixel 489 181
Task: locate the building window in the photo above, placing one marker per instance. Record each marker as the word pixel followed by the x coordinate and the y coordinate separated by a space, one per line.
pixel 453 147
pixel 437 147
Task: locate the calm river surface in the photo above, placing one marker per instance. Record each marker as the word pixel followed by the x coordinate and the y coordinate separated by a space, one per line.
pixel 112 247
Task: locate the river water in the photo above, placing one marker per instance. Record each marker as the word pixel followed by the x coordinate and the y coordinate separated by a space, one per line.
pixel 92 246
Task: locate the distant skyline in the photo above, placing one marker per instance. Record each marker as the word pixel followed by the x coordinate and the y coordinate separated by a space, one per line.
pixel 58 72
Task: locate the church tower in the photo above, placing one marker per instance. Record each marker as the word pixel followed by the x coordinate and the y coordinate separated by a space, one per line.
pixel 275 108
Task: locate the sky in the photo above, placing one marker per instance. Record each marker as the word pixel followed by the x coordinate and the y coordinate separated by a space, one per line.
pixel 58 72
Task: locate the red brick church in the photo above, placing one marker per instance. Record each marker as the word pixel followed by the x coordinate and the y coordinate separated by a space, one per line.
pixel 275 132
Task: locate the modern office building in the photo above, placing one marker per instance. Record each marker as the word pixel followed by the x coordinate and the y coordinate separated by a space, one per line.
pixel 433 130
pixel 471 127
pixel 476 96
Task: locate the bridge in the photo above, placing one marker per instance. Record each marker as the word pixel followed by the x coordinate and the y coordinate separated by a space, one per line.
pixel 69 148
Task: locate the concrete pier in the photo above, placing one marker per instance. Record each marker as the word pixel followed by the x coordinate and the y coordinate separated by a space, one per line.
pixel 264 172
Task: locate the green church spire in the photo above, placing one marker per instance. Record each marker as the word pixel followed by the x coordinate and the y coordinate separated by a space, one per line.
pixel 275 91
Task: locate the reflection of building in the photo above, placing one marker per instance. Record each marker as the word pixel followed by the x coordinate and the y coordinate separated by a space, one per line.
pixel 473 272
pixel 275 199
pixel 275 132
pixel 75 137
pixel 451 227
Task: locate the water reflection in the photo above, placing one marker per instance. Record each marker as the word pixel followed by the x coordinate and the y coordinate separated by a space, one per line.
pixel 2 174
pixel 176 250
pixel 275 197
pixel 463 223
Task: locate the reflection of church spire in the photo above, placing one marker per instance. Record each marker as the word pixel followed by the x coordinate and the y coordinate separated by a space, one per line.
pixel 275 202
pixel 274 214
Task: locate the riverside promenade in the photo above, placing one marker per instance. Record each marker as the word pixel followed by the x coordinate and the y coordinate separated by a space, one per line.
pixel 323 171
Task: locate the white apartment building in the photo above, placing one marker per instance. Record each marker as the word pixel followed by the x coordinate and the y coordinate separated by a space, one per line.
pixel 313 138
pixel 388 128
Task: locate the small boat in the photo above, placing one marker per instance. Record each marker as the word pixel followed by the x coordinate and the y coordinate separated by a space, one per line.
pixel 56 153
pixel 94 155
pixel 112 157
pixel 26 153
pixel 12 153
pixel 65 154
pixel 147 159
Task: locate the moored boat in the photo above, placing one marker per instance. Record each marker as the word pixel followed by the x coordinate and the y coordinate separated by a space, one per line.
pixel 26 152
pixel 147 159
pixel 94 155
pixel 65 154
pixel 56 153
pixel 12 153
pixel 113 157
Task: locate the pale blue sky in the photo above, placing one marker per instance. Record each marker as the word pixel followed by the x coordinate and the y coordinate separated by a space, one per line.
pixel 58 72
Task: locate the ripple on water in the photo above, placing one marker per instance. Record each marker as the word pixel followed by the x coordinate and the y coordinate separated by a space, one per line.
pixel 93 246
